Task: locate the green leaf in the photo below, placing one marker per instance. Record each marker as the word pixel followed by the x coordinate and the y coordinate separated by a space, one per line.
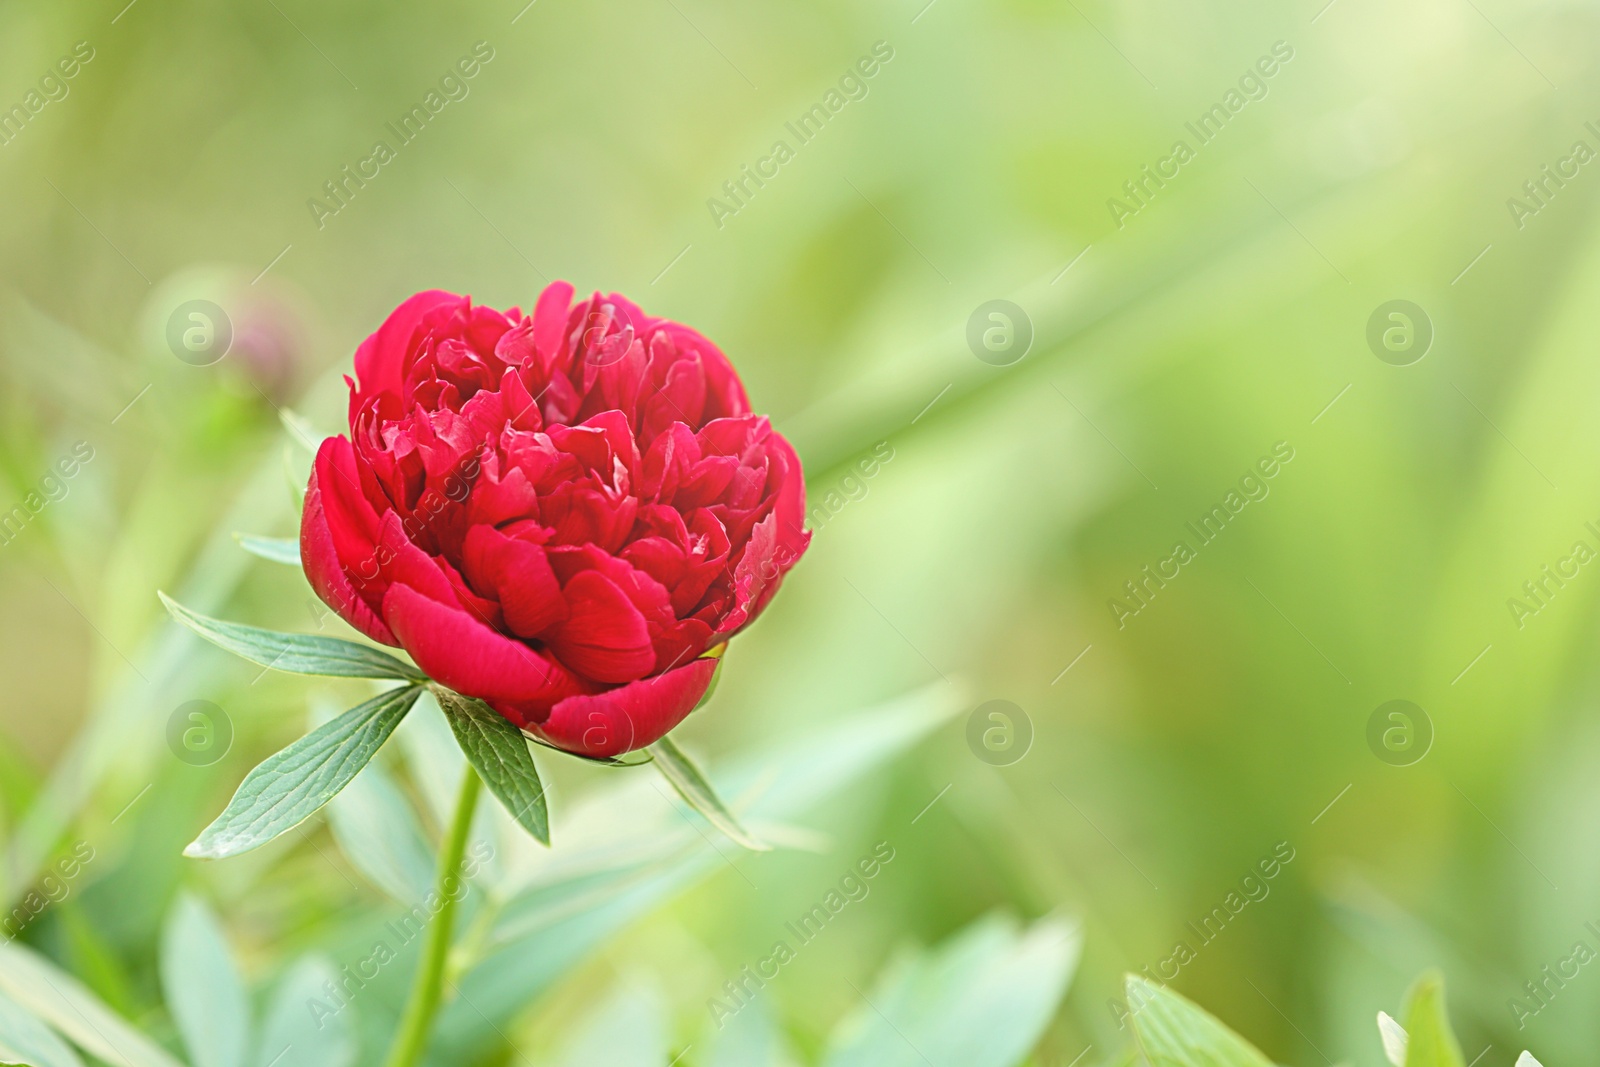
pixel 692 786
pixel 626 861
pixel 304 1028
pixel 982 999
pixel 500 753
pixel 1430 1041
pixel 277 549
pixel 202 986
pixel 27 1041
pixel 1394 1039
pixel 296 653
pixel 290 786
pixel 1173 1032
pixel 60 1000
pixel 378 833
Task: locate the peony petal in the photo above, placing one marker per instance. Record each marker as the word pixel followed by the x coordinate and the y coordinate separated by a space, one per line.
pixel 402 563
pixel 381 359
pixel 518 574
pixel 326 574
pixel 630 716
pixel 352 520
pixel 550 324
pixel 604 637
pixel 725 395
pixel 790 508
pixel 458 651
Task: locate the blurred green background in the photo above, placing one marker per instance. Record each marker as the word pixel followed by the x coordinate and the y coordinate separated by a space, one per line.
pixel 1173 346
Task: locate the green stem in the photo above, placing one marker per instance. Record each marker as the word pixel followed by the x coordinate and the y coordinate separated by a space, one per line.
pixel 423 1004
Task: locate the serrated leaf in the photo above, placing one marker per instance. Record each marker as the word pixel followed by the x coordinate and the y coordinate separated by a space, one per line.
pixel 304 1028
pixel 692 786
pixel 296 653
pixel 1174 1032
pixel 500 754
pixel 284 550
pixel 1430 1041
pixel 63 1002
pixel 26 1041
pixel 202 986
pixel 287 788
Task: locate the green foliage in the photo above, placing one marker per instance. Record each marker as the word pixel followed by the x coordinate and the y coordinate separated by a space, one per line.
pixel 692 786
pixel 378 832
pixel 291 786
pixel 980 1000
pixel 56 998
pixel 1224 316
pixel 284 550
pixel 1430 1041
pixel 297 653
pixel 1171 1031
pixel 292 1034
pixel 499 753
pixel 27 1042
pixel 203 988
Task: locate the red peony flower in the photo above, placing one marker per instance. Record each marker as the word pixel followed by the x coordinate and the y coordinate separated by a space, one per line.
pixel 566 514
